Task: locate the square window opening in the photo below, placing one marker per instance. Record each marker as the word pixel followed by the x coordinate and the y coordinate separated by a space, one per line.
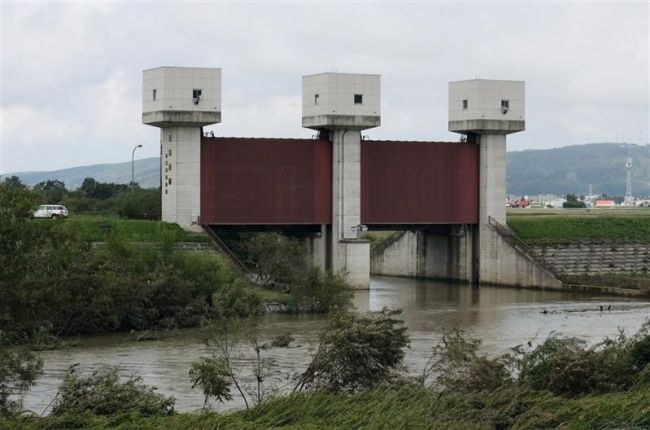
pixel 465 104
pixel 505 105
pixel 358 99
pixel 196 95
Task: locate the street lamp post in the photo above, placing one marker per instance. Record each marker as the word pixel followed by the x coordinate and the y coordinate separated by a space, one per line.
pixel 133 165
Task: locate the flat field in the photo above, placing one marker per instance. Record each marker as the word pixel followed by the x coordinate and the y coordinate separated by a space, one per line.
pixel 623 225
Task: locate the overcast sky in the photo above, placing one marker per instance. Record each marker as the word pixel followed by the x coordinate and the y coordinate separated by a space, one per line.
pixel 71 72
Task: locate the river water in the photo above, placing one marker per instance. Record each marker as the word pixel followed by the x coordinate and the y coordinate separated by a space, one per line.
pixel 501 317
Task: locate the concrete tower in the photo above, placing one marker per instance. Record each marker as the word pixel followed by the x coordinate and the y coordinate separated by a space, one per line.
pixel 486 111
pixel 181 100
pixel 340 105
pixel 629 198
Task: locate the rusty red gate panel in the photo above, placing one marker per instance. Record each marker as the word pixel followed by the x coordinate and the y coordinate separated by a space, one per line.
pixel 419 182
pixel 266 181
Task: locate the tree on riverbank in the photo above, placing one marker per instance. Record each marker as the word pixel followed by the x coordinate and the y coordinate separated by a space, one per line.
pixel 53 282
pixel 356 352
pixel 19 369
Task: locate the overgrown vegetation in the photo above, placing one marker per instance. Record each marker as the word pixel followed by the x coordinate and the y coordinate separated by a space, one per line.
pixel 19 368
pixel 103 394
pixel 561 383
pixel 95 197
pixel 279 262
pixel 356 352
pixel 100 228
pixel 54 282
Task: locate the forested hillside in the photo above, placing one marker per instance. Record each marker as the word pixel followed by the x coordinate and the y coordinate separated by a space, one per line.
pixel 569 169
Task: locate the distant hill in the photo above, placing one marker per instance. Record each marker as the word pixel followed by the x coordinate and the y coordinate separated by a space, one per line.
pixel 571 169
pixel 147 174
pixel 540 171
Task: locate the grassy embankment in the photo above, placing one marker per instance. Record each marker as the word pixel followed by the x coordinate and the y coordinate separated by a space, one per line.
pixel 397 408
pixel 98 228
pixel 548 226
pixel 567 226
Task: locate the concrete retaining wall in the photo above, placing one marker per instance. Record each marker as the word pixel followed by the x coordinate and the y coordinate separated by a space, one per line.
pixel 592 258
pixel 511 265
pixel 427 255
pixel 398 258
pixel 424 255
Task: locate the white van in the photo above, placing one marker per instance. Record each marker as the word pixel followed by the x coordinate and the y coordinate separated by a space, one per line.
pixel 51 211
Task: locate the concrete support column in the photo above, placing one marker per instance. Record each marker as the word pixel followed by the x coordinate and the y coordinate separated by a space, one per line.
pixel 317 249
pixel 181 174
pixel 350 255
pixel 492 202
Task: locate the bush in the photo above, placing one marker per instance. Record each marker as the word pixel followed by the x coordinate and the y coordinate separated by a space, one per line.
pixel 120 286
pixel 213 376
pixel 458 366
pixel 102 393
pixel 567 366
pixel 357 352
pixel 274 257
pixel 139 204
pixel 319 292
pixel 18 372
pixel 236 300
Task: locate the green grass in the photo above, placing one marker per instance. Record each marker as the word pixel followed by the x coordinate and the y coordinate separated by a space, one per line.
pixel 396 408
pixel 98 228
pixel 571 228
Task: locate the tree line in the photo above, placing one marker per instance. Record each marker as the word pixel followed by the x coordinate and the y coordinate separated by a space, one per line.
pixel 94 197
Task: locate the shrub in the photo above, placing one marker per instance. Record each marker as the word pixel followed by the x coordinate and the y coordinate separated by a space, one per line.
pixel 237 300
pixel 320 292
pixel 212 375
pixel 139 204
pixel 458 366
pixel 568 366
pixel 18 372
pixel 356 352
pixel 102 393
pixel 276 258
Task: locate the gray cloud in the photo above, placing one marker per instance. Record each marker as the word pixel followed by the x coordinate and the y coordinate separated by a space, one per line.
pixel 71 73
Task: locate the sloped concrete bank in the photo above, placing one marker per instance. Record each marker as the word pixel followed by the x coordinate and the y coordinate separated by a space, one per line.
pixel 605 266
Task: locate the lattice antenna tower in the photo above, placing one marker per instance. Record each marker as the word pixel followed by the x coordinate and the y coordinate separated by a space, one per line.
pixel 629 199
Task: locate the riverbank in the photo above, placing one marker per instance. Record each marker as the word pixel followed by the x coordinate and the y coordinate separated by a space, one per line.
pixel 553 226
pixel 101 228
pixel 501 317
pixel 395 407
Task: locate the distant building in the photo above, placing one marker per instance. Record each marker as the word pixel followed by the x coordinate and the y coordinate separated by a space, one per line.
pixel 605 203
pixel 522 202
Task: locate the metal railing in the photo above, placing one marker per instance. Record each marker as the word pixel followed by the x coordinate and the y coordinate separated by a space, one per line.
pixel 381 247
pixel 219 243
pixel 511 237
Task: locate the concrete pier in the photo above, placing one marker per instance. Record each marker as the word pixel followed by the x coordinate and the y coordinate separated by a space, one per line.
pixel 341 105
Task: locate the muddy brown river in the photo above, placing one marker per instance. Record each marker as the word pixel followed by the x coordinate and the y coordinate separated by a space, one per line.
pixel 501 317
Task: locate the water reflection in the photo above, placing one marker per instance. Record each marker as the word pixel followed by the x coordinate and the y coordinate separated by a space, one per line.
pixel 501 317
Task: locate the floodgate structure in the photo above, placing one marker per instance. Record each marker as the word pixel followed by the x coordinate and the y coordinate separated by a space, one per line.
pixel 329 189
